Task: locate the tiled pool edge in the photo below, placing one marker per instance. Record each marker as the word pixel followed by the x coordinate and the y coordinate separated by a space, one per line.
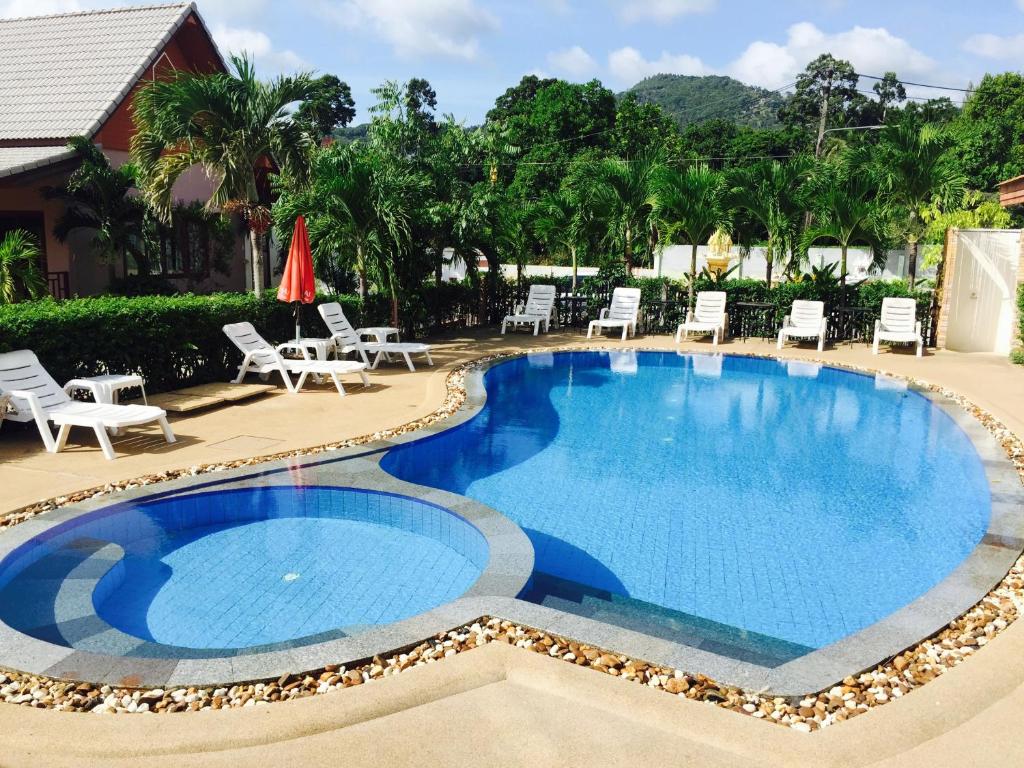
pixel 891 679
pixel 986 565
pixel 509 565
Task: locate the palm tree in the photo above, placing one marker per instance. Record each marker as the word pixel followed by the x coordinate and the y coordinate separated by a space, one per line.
pixel 771 192
pixel 358 208
pixel 621 199
pixel 560 222
pixel 915 170
pixel 692 203
pixel 847 210
pixel 19 267
pixel 97 197
pixel 234 126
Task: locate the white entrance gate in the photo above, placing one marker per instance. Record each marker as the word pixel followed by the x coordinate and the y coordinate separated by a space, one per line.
pixel 982 291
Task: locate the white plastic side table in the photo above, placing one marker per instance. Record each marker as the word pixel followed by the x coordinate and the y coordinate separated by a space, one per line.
pixel 107 388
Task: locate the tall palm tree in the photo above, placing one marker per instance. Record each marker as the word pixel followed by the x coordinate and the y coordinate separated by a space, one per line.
pixel 234 126
pixel 915 170
pixel 771 192
pixel 560 222
pixel 847 210
pixel 692 204
pixel 621 199
pixel 97 197
pixel 358 209
pixel 19 267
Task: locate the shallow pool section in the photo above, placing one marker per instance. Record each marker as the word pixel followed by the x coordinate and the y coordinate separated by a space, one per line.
pixel 238 569
pixel 756 508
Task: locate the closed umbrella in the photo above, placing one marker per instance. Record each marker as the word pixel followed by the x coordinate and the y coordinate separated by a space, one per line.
pixel 298 286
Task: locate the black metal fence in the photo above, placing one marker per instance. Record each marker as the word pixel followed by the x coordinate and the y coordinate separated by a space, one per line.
pixel 747 319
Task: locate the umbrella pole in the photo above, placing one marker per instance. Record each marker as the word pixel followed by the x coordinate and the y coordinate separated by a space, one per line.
pixel 298 334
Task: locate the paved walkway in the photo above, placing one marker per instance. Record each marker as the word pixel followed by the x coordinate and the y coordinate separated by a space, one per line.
pixel 500 704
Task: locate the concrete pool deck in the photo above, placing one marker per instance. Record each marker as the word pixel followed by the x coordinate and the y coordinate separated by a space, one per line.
pixel 483 704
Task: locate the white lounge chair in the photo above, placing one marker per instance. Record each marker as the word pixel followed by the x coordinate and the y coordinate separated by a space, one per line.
pixel 708 366
pixel 36 396
pixel 707 316
pixel 806 320
pixel 898 324
pixel 537 311
pixel 621 314
pixel 262 358
pixel 347 339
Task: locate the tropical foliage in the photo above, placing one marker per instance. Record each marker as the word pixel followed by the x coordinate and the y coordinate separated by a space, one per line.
pixel 233 125
pixel 20 276
pixel 569 173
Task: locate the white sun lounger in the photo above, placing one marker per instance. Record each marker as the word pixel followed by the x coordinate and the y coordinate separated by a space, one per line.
pixel 537 311
pixel 621 314
pixel 806 320
pixel 262 358
pixel 36 396
pixel 898 324
pixel 707 316
pixel 347 339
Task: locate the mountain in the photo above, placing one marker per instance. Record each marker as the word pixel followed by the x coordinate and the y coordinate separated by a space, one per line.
pixel 691 99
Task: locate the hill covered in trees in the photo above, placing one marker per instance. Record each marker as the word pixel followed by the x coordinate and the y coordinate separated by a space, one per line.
pixel 690 99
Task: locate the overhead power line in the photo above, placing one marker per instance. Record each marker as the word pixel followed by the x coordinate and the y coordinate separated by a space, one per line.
pixel 918 85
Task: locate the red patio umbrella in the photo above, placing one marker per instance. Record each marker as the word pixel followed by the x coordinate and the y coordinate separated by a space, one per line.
pixel 298 284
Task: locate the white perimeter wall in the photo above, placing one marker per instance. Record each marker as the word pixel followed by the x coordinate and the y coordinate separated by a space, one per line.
pixel 675 263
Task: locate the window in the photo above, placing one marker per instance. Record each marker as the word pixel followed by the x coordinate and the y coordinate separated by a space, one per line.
pixel 170 253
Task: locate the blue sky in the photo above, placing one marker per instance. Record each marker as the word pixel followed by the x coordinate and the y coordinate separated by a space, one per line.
pixel 471 50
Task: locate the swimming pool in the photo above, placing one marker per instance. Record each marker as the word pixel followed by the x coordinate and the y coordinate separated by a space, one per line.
pixel 237 569
pixel 763 508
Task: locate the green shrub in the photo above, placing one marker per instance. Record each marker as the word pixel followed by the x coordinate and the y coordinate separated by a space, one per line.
pixel 173 341
pixel 1017 355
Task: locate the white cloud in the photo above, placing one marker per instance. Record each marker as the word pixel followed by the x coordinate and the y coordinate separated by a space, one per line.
pixel 663 10
pixel 259 45
pixel 628 66
pixel 766 64
pixel 989 46
pixel 417 28
pixel 871 50
pixel 574 61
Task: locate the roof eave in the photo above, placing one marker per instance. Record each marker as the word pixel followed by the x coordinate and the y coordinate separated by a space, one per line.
pixel 154 55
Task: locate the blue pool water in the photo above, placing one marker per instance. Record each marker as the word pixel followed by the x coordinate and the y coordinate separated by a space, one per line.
pixel 242 568
pixel 745 505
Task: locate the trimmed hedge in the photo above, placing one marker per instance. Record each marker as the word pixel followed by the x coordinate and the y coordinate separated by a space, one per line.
pixel 173 341
pixel 177 341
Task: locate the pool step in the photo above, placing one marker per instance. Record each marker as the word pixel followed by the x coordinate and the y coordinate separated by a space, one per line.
pixel 650 619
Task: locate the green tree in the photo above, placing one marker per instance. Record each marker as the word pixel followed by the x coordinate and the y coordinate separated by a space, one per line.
pixel 20 276
pixel 560 223
pixel 550 121
pixel 890 93
pixel 990 131
pixel 691 204
pixel 825 96
pixel 328 108
pixel 771 192
pixel 621 201
pixel 977 211
pixel 231 124
pixel 916 170
pixel 642 127
pixel 98 198
pixel 846 210
pixel 939 111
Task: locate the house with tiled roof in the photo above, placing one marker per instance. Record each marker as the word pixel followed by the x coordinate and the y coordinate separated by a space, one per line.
pixel 74 74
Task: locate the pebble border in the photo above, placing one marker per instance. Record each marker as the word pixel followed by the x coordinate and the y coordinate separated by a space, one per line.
pixel 887 682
